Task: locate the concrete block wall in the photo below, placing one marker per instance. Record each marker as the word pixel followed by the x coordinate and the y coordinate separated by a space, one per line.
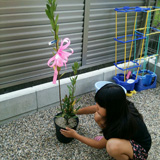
pixel 27 101
pixel 19 103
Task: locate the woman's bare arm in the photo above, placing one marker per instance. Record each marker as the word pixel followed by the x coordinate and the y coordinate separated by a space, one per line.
pixel 91 142
pixel 71 133
pixel 87 110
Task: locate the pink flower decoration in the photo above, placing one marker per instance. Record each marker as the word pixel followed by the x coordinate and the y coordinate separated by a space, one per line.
pixel 61 58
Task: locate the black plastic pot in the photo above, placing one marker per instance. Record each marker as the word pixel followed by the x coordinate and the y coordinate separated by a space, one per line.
pixel 61 137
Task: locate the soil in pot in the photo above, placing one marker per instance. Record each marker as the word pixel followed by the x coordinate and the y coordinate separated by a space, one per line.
pixel 60 123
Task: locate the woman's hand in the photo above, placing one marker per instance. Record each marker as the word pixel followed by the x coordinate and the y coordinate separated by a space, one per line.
pixel 70 133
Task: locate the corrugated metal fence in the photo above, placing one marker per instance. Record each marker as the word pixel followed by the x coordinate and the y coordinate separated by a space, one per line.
pixel 25 33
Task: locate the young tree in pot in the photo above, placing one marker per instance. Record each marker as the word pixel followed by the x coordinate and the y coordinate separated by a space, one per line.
pixel 66 117
pixel 69 101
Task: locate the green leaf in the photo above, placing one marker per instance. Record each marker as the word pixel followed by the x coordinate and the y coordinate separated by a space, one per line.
pixel 63 115
pixel 54 2
pixel 76 64
pixel 74 117
pixel 52 11
pixel 76 78
pixel 48 7
pixel 59 115
pixel 78 108
pixel 48 14
pixel 78 99
pixel 57 16
pixel 52 24
pixel 62 74
pixel 75 67
pixel 70 91
pixel 50 1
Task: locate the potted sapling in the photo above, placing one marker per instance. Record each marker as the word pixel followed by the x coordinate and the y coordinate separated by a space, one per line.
pixel 67 115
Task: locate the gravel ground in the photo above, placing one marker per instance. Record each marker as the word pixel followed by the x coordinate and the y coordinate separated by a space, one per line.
pixel 33 136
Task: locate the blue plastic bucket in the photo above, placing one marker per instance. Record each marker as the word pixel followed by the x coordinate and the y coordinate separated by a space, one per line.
pixel 100 84
pixel 129 84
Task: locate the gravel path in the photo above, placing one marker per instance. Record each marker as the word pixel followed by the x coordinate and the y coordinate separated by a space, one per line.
pixel 33 137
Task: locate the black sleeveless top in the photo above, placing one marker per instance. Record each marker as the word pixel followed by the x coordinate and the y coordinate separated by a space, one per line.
pixel 139 132
pixel 142 135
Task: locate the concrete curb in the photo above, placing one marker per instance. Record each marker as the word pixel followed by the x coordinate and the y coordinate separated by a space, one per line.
pixel 26 101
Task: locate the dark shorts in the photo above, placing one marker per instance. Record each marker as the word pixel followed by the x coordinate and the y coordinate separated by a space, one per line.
pixel 139 153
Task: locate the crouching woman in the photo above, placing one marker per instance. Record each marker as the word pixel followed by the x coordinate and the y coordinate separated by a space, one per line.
pixel 125 134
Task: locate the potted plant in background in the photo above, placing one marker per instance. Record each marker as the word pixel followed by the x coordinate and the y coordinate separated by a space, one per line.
pixel 67 115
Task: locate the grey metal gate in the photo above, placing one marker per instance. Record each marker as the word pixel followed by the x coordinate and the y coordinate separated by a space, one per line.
pixel 25 33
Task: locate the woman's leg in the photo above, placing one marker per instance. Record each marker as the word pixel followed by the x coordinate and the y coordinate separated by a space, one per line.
pixel 120 149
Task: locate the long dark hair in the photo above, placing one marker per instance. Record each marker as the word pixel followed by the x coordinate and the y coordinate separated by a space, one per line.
pixel 121 115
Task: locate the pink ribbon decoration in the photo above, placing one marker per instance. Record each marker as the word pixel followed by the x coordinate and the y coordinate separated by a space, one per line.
pixel 60 58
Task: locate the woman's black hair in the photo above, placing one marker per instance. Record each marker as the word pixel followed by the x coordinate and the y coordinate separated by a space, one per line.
pixel 121 115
